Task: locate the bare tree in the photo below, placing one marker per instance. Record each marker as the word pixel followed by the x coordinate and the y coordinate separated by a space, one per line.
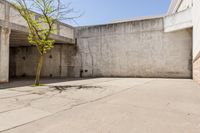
pixel 41 27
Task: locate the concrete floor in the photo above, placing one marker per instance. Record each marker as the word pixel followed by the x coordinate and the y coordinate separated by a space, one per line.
pixel 102 105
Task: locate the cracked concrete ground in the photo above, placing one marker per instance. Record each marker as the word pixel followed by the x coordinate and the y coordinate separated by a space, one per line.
pixel 102 105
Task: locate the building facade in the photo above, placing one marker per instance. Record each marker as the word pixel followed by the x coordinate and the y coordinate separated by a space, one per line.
pixel 162 47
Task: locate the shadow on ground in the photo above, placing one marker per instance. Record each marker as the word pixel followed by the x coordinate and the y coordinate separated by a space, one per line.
pixel 79 87
pixel 21 82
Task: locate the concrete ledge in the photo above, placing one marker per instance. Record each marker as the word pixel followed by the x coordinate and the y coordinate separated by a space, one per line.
pixel 178 21
pixel 24 29
pixel 14 21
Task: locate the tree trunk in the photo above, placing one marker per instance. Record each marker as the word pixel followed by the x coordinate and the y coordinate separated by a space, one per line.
pixel 39 69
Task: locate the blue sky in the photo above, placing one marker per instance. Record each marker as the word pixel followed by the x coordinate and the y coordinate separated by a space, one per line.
pixel 105 11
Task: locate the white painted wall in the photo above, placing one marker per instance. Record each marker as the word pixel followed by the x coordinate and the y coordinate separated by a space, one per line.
pixel 185 4
pixel 196 28
pixel 179 5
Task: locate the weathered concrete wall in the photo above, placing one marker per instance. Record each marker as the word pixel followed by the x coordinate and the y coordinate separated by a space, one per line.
pixel 16 18
pixel 10 20
pixel 23 61
pixel 66 31
pixel 2 11
pixel 64 34
pixel 134 49
pixel 4 54
pixel 127 49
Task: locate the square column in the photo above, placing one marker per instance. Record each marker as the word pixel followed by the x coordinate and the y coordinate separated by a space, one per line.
pixel 4 54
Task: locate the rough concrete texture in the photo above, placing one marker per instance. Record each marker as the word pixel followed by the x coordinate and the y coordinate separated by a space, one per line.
pixel 196 70
pixel 135 49
pixel 182 6
pixel 11 23
pixel 127 49
pixel 16 22
pixel 2 10
pixel 4 54
pixel 58 62
pixel 103 105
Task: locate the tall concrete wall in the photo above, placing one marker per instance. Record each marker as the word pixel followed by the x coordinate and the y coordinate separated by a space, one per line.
pixel 2 11
pixel 127 49
pixel 135 49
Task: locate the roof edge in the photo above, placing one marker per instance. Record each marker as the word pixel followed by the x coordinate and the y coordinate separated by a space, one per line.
pixel 174 6
pixel 125 21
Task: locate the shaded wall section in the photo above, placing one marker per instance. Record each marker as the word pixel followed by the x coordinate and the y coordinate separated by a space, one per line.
pixel 135 49
pixel 57 63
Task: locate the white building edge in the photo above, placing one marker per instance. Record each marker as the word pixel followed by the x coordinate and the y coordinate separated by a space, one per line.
pixel 191 8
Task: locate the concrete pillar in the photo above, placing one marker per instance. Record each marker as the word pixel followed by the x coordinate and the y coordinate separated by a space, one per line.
pixel 4 54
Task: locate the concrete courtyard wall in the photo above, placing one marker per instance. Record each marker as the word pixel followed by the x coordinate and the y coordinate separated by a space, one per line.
pixel 127 49
pixel 135 49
